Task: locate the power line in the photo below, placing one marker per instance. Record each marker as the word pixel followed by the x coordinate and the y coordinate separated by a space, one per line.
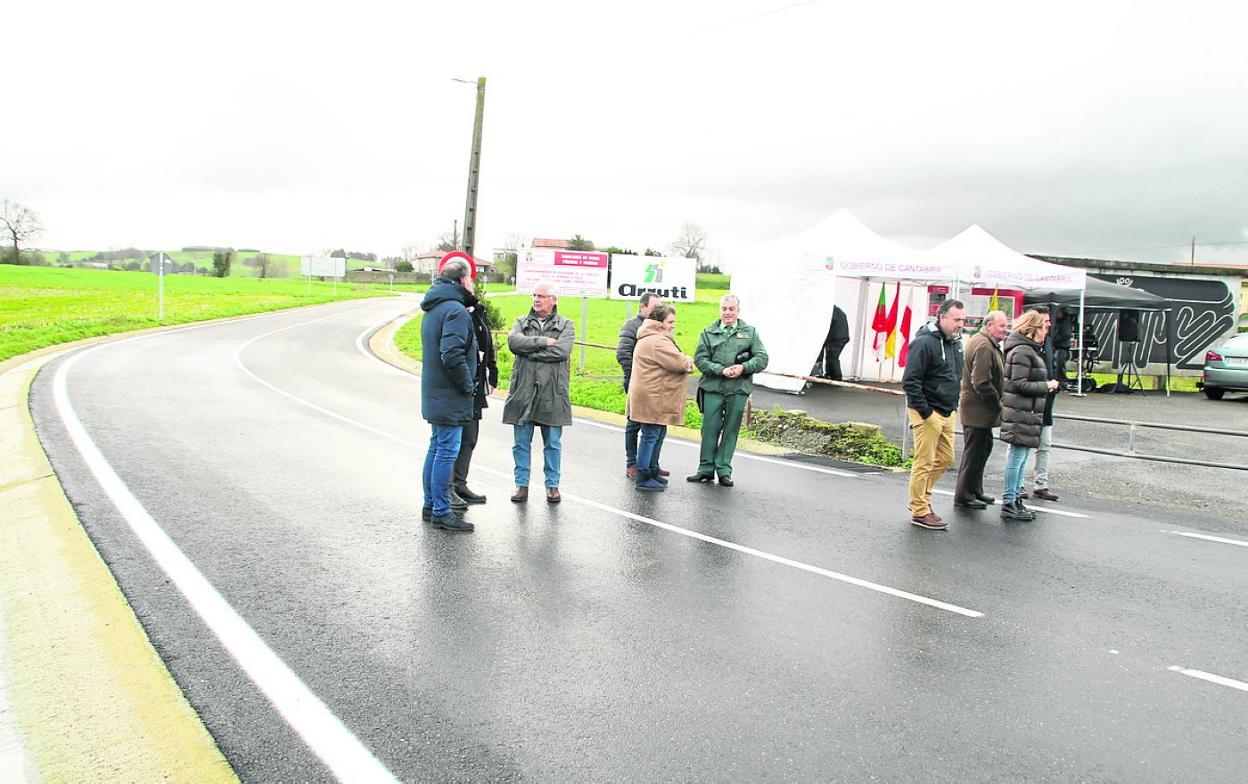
pixel 1169 247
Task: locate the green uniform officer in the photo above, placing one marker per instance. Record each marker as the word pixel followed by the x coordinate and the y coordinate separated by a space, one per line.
pixel 729 354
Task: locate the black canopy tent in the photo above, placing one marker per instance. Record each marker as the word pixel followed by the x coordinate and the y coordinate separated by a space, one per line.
pixel 1103 295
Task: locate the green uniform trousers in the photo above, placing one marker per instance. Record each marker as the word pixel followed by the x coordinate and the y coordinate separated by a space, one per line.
pixel 721 422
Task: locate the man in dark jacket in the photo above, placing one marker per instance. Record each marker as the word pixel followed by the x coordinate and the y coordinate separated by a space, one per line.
pixel 447 386
pixel 933 383
pixel 979 408
pixel 624 355
pixel 487 379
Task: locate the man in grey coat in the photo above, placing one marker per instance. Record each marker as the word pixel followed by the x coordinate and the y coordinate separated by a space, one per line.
pixel 624 355
pixel 542 344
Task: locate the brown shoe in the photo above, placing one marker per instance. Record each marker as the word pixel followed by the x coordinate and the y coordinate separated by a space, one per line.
pixel 521 495
pixel 664 472
pixel 552 495
pixel 1044 494
pixel 929 521
pixel 631 471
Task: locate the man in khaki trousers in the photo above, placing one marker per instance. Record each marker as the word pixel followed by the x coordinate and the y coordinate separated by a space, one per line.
pixel 933 383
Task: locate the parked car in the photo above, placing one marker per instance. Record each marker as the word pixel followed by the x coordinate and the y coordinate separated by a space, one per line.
pixel 1226 368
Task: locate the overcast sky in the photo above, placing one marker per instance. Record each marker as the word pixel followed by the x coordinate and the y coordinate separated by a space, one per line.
pixel 1102 129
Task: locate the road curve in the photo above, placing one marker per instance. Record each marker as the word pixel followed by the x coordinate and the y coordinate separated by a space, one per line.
pixel 254 487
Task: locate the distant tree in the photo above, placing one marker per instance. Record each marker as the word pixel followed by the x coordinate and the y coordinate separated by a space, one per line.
pixel 579 243
pixel 338 254
pixel 448 241
pixel 691 243
pixel 221 263
pixel 62 257
pixel 133 265
pixel 22 225
pixel 619 251
pixel 403 266
pixel 652 252
pixel 409 252
pixel 263 265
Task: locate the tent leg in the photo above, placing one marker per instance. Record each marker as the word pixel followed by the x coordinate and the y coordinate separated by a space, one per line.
pixel 1079 384
pixel 1165 314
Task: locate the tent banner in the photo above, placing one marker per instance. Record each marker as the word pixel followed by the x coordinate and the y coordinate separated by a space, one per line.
pixel 674 278
pixel 867 268
pixel 1061 277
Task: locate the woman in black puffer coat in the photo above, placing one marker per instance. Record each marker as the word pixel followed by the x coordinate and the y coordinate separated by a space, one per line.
pixel 1027 386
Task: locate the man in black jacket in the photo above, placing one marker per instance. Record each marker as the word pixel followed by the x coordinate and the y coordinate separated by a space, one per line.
pixel 487 380
pixel 933 383
pixel 624 355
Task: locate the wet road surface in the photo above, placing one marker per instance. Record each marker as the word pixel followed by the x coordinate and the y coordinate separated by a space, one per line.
pixel 793 627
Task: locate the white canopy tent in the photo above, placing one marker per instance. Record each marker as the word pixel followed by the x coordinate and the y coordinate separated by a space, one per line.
pixel 789 287
pixel 788 293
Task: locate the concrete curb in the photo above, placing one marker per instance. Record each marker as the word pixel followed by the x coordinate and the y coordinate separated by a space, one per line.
pixel 381 343
pixel 90 698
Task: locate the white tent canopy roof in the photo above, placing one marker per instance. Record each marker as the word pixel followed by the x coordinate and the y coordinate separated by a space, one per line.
pixel 982 259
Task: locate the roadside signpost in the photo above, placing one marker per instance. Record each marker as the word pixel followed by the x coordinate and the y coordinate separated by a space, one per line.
pixel 322 266
pixel 572 272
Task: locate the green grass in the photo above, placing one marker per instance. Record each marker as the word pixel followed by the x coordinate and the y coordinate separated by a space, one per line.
pixel 44 306
pixel 708 281
pixel 1177 383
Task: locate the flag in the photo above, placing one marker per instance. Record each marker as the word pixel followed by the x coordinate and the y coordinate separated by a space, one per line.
pixel 890 343
pixel 905 338
pixel 994 303
pixel 880 325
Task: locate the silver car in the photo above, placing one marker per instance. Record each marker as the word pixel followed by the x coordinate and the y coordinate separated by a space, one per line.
pixel 1226 368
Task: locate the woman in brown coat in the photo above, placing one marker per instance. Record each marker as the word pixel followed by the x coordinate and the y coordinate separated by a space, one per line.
pixel 1027 386
pixel 656 391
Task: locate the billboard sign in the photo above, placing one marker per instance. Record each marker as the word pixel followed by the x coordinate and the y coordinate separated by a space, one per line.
pixel 323 266
pixel 573 273
pixel 673 278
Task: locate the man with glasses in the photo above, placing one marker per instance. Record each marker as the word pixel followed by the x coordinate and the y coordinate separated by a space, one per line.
pixel 542 344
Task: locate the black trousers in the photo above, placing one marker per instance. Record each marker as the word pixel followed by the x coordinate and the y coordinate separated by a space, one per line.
pixel 467 442
pixel 976 447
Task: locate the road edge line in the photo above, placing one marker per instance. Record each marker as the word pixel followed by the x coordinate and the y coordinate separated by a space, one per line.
pixel 89 694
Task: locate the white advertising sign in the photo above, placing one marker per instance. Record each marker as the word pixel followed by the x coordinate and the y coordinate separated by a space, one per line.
pixel 573 273
pixel 323 266
pixel 672 278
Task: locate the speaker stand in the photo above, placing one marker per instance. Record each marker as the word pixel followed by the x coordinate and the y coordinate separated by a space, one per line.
pixel 1129 377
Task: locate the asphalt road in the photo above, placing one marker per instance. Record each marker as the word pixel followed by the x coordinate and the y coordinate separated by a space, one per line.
pixel 794 627
pixel 1212 494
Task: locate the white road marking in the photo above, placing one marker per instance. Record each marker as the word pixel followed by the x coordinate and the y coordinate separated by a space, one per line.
pixel 620 512
pixel 1209 538
pixel 1208 676
pixel 320 729
pixel 743 455
pixel 1045 509
pixel 359 344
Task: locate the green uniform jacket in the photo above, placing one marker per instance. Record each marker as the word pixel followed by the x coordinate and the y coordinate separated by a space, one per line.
pixel 718 348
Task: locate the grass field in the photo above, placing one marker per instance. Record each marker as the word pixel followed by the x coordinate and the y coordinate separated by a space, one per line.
pixel 44 306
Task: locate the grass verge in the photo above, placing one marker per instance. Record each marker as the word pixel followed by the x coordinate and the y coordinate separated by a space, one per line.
pixel 44 306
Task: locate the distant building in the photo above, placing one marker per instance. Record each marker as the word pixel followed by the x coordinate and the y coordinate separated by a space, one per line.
pixel 539 242
pixel 427 262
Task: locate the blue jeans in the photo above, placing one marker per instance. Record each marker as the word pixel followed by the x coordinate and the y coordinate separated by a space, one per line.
pixel 631 431
pixel 1015 467
pixel 521 451
pixel 439 465
pixel 649 446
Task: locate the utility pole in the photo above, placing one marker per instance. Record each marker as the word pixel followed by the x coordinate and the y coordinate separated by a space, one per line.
pixel 474 171
pixel 1193 251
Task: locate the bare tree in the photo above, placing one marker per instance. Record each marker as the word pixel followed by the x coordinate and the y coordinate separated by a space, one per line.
pixel 22 225
pixel 691 243
pixel 266 266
